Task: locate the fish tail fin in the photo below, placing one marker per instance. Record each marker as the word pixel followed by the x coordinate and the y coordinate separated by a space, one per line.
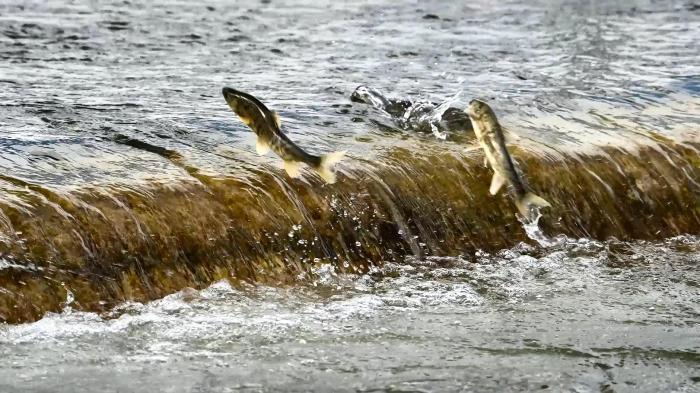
pixel 325 167
pixel 530 199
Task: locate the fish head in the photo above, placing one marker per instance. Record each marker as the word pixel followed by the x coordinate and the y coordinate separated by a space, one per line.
pixel 478 110
pixel 244 105
pixel 370 96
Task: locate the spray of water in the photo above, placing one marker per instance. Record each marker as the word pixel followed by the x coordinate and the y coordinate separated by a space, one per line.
pixel 533 231
pixel 70 297
pixel 426 113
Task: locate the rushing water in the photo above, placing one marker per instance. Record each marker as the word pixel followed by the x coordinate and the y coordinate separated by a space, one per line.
pixel 581 316
pixel 125 178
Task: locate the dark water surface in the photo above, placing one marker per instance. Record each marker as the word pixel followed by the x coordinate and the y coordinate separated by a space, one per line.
pixel 124 177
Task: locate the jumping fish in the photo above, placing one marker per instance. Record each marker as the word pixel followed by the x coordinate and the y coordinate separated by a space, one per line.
pixel 266 125
pixel 490 135
pixel 422 116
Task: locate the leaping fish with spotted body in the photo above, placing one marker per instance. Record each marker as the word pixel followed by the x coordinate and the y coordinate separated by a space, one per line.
pixel 490 135
pixel 266 125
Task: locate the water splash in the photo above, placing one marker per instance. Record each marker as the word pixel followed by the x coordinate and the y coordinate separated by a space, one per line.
pixel 442 108
pixel 560 302
pixel 325 275
pixel 423 113
pixel 370 96
pixel 70 298
pixel 533 230
pixel 420 115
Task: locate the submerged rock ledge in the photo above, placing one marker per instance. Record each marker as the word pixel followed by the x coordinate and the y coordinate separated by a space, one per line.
pixel 107 246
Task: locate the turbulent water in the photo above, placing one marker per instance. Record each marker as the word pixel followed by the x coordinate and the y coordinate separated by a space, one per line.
pixel 125 179
pixel 579 316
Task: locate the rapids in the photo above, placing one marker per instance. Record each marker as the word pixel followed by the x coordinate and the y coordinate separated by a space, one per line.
pixel 141 236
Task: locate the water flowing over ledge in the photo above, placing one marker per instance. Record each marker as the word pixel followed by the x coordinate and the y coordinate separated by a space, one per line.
pixel 107 245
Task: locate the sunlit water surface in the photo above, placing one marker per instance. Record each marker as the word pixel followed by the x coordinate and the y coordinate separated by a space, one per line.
pixel 565 76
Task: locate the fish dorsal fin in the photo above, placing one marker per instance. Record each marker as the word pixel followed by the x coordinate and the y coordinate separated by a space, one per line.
pixel 497 182
pixel 276 118
pixel 262 146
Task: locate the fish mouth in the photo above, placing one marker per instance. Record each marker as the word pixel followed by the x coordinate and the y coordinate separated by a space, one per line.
pixel 475 109
pixel 230 94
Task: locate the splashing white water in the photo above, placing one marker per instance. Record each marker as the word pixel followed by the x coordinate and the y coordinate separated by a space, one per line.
pixel 426 113
pixel 70 297
pixel 533 230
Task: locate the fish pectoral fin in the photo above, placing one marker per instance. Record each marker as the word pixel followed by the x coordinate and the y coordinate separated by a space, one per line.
pixel 292 168
pixel 486 162
pixel 497 182
pixel 276 118
pixel 262 146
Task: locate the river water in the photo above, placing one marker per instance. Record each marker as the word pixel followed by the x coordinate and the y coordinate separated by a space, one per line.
pixel 578 316
pixel 125 180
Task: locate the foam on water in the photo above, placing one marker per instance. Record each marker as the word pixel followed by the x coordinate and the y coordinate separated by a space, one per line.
pixel 593 312
pixel 564 314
